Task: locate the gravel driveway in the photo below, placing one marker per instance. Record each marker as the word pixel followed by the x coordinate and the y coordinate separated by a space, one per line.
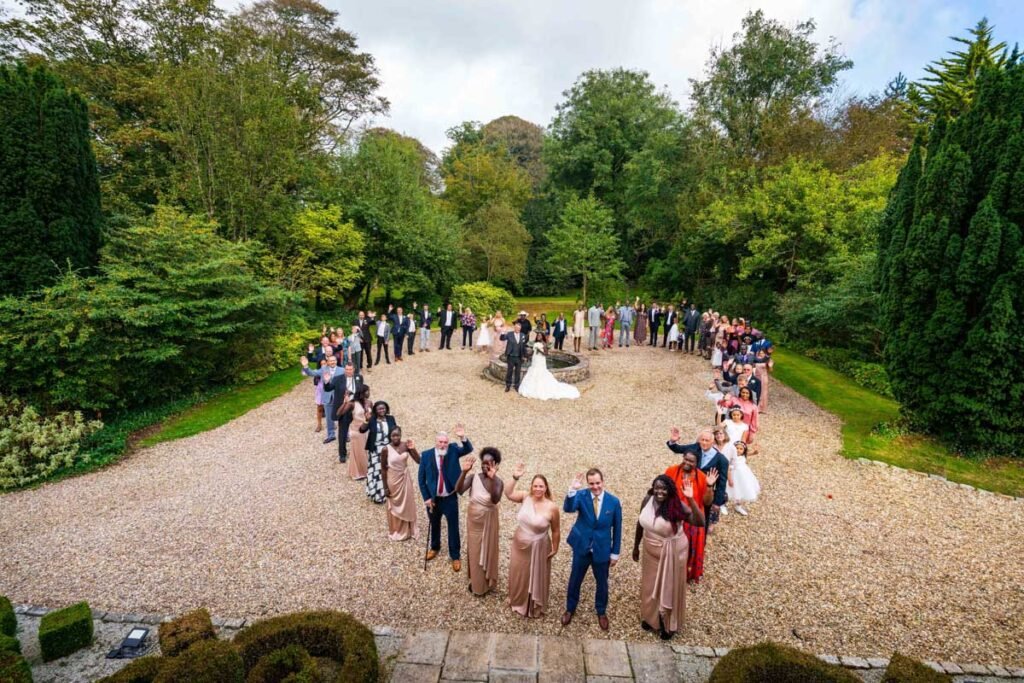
pixel 257 517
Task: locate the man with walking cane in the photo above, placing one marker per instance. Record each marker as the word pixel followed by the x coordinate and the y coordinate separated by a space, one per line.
pixel 439 471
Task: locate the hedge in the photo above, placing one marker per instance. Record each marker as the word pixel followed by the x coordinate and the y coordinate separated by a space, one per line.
pixel 773 663
pixel 291 663
pixel 65 630
pixel 9 643
pixel 14 668
pixel 208 661
pixel 178 635
pixel 143 670
pixel 8 620
pixel 334 635
pixel 906 670
pixel 484 299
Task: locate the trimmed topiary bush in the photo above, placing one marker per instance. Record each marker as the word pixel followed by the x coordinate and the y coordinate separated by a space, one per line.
pixel 484 298
pixel 773 663
pixel 291 663
pixel 8 620
pixel 334 635
pixel 14 668
pixel 178 635
pixel 9 643
pixel 906 670
pixel 208 661
pixel 65 630
pixel 143 670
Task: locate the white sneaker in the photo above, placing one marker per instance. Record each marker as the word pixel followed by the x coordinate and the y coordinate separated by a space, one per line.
pixel 739 509
pixel 723 511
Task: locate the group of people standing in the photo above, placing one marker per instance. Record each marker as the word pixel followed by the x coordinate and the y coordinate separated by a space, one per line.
pixel 676 516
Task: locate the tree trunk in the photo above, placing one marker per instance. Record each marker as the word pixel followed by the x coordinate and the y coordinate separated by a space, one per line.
pixel 584 288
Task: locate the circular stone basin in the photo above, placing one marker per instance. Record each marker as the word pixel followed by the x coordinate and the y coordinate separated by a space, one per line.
pixel 566 366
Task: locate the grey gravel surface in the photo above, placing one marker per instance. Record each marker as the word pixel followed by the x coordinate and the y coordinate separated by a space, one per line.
pixel 257 517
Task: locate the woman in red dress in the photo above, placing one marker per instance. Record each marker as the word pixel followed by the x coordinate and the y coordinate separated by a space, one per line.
pixel 687 474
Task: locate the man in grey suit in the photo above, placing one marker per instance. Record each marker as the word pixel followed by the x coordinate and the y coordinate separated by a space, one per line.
pixel 626 315
pixel 326 374
pixel 594 322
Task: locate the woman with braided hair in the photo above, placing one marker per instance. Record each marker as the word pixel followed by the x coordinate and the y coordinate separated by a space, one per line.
pixel 665 552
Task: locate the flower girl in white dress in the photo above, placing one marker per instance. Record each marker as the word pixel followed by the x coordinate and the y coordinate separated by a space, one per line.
pixel 743 486
pixel 484 340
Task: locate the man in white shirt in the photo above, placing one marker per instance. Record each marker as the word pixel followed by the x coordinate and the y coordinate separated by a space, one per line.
pixel 594 322
pixel 383 334
pixel 448 321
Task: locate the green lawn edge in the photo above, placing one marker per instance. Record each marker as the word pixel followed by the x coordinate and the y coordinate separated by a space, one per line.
pixel 861 410
pixel 224 407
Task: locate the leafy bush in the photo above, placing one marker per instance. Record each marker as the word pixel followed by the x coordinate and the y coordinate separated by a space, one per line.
pixel 64 631
pixel 175 308
pixel 179 634
pixel 334 635
pixel 208 661
pixel 8 620
pixel 34 447
pixel 142 670
pixel 484 298
pixel 905 670
pixel 9 643
pixel 863 373
pixel 14 668
pixel 291 663
pixel 773 663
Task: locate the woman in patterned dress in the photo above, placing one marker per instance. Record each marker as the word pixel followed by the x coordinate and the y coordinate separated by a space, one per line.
pixel 377 427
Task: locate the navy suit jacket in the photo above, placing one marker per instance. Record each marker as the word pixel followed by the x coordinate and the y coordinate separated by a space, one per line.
pixel 452 468
pixel 559 329
pixel 601 536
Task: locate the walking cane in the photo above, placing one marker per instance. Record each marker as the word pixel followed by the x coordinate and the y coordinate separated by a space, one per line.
pixel 430 516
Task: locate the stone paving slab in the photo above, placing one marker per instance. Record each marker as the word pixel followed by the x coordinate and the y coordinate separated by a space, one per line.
pixel 606 658
pixel 560 659
pixel 469 656
pixel 424 647
pixel 408 672
pixel 653 663
pixel 515 652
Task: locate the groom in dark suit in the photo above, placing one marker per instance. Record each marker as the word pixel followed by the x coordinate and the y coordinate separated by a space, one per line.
pixel 515 353
pixel 595 539
pixel 439 472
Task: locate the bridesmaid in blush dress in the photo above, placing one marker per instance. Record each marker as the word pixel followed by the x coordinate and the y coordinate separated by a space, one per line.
pixel 485 490
pixel 357 461
pixel 665 553
pixel 399 489
pixel 529 565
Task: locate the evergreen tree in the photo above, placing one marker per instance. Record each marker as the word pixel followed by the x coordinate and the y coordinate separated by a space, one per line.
pixel 49 191
pixel 951 260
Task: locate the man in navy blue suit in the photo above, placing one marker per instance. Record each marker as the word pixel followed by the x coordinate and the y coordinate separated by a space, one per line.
pixel 595 539
pixel 439 492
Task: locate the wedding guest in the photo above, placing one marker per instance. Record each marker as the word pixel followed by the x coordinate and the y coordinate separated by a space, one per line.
pixel 625 313
pixel 594 314
pixel 687 475
pixel 410 326
pixel 559 330
pixel 747 404
pixel 485 339
pixel 743 485
pixel 672 336
pixel 595 539
pixel 365 324
pixel 485 491
pixel 357 409
pixel 318 358
pixel 398 486
pixel 762 367
pixel 734 426
pixel 542 329
pixel 383 335
pixel 426 320
pixel 691 328
pixel 524 323
pixel 468 327
pixel 448 320
pixel 324 374
pixel 708 460
pixel 531 550
pixel 355 347
pixel 608 335
pixel 399 329
pixel 669 322
pixel 344 387
pixel 438 474
pixel 654 320
pixel 661 528
pixel 377 427
pixel 579 317
pixel 640 333
pixel 499 324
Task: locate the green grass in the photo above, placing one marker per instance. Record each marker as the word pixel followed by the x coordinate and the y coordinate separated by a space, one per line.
pixel 224 407
pixel 862 410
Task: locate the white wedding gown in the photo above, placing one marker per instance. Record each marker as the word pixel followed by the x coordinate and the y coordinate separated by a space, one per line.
pixel 540 383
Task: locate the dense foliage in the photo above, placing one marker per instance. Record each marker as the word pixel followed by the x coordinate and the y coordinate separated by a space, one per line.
pixel 483 299
pixel 950 266
pixel 49 191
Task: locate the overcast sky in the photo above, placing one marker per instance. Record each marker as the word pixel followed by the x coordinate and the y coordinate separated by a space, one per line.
pixel 447 61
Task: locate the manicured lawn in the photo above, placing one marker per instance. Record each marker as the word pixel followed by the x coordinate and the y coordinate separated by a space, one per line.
pixel 224 407
pixel 861 410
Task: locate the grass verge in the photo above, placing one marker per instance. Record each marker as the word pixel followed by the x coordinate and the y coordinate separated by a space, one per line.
pixel 223 407
pixel 862 410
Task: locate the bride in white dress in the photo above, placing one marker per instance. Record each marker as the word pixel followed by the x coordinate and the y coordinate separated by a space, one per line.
pixel 540 383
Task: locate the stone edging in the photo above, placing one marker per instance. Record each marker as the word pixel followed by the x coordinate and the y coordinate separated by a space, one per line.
pixel 939 477
pixel 848 661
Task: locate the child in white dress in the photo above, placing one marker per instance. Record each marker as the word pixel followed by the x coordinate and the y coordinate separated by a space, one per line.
pixel 483 341
pixel 673 336
pixel 716 355
pixel 743 486
pixel 734 425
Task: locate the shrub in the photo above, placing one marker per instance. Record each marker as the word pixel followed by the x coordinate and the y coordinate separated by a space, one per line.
pixel 179 634
pixel 9 643
pixel 334 635
pixel 906 670
pixel 8 620
pixel 142 670
pixel 291 663
pixel 773 663
pixel 208 661
pixel 65 630
pixel 484 298
pixel 14 668
pixel 33 446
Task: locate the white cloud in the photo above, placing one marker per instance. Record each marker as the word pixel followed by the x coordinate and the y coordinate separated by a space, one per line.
pixel 447 61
